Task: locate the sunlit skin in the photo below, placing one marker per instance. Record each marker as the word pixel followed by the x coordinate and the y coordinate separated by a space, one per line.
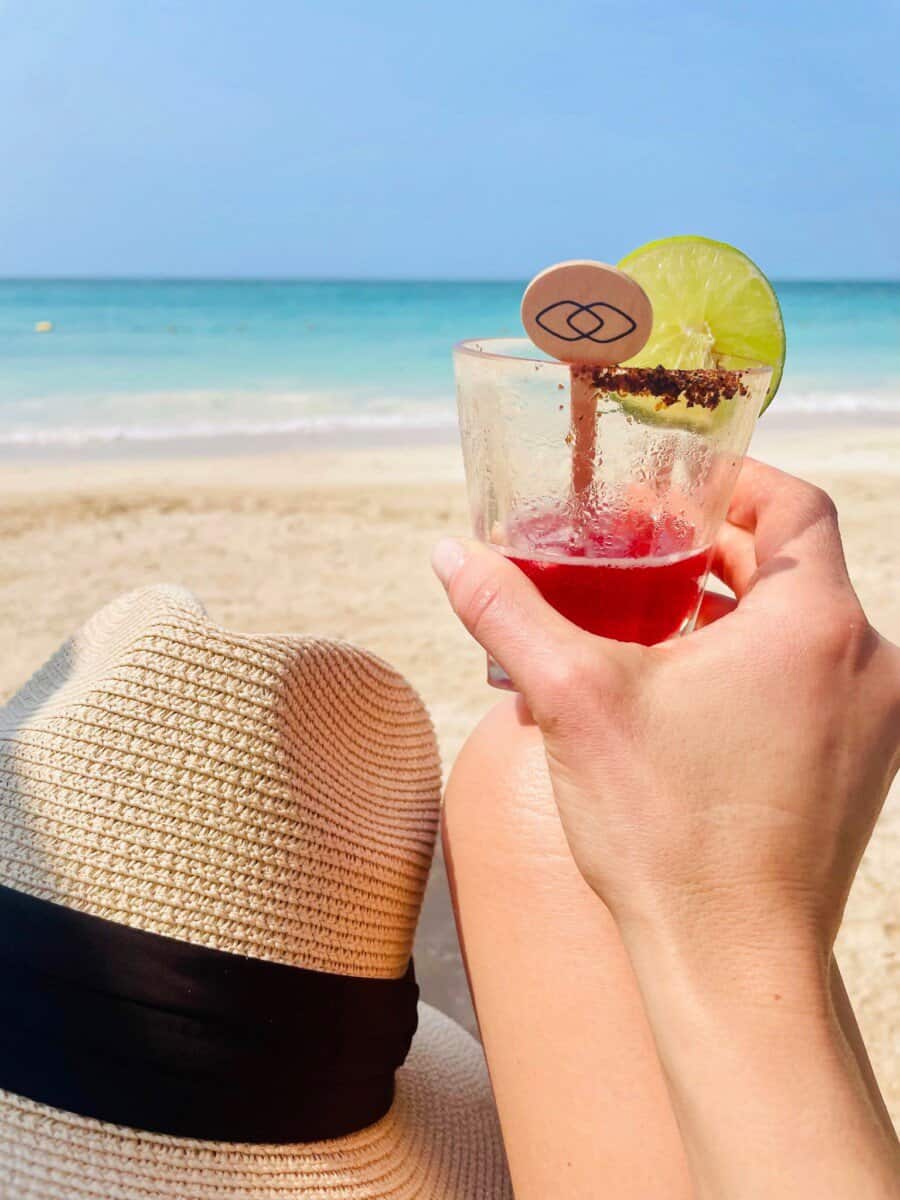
pixel 716 794
pixel 581 1096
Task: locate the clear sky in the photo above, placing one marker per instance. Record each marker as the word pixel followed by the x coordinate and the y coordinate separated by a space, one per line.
pixel 478 139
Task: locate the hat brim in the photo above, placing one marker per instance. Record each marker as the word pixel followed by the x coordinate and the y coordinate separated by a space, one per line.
pixel 439 1141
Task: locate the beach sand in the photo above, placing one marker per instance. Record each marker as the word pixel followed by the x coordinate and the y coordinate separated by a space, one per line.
pixel 337 542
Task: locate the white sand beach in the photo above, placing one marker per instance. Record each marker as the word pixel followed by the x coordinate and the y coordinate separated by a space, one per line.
pixel 337 542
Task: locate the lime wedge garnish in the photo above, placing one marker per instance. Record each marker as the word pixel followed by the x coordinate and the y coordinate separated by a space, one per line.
pixel 712 307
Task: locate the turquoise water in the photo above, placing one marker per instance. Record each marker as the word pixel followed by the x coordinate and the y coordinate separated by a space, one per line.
pixel 142 359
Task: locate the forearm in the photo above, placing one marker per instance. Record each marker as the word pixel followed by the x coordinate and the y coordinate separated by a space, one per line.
pixel 768 1093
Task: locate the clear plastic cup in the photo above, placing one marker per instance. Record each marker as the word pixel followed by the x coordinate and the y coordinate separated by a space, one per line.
pixel 606 486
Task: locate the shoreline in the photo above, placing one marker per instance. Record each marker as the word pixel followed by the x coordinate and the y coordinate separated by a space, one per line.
pixel 362 437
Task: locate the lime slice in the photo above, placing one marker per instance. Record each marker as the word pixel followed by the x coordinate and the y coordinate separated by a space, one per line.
pixel 712 307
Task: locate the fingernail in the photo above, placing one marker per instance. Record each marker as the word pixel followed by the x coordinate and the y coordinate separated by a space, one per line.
pixel 446 559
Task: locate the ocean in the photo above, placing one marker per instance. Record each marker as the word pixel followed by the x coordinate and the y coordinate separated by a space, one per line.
pixel 142 359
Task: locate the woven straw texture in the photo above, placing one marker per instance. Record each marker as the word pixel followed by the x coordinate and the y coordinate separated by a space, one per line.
pixel 440 1141
pixel 269 796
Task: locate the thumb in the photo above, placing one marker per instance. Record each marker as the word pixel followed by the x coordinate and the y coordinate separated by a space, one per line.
pixel 546 656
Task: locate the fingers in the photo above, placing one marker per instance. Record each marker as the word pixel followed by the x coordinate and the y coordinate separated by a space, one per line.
pixel 788 518
pixel 734 558
pixel 548 658
pixel 503 610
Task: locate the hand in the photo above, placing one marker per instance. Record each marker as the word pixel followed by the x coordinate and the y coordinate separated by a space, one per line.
pixel 717 793
pixel 728 780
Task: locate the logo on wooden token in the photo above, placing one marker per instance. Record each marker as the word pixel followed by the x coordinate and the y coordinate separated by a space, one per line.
pixel 587 312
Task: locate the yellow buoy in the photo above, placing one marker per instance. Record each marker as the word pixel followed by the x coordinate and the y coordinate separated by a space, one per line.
pixel 43 327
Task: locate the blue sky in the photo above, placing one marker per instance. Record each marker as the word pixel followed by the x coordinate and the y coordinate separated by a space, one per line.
pixel 474 139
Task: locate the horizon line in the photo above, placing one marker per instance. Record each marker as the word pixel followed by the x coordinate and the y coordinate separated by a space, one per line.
pixel 375 279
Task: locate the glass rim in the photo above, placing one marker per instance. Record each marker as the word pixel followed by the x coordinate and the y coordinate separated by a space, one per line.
pixel 471 347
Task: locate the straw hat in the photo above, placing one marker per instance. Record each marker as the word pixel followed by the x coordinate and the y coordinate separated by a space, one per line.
pixel 213 850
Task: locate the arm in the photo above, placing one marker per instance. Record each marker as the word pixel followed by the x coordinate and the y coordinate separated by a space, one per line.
pixel 717 793
pixel 768 1093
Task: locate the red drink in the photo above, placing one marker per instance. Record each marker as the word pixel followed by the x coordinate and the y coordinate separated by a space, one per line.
pixel 624 575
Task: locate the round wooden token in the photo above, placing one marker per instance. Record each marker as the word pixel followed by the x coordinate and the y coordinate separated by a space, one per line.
pixel 587 312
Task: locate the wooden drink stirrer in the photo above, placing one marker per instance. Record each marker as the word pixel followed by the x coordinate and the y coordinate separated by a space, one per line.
pixel 586 314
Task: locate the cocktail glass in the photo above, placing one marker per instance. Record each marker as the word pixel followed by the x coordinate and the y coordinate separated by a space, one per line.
pixel 606 486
